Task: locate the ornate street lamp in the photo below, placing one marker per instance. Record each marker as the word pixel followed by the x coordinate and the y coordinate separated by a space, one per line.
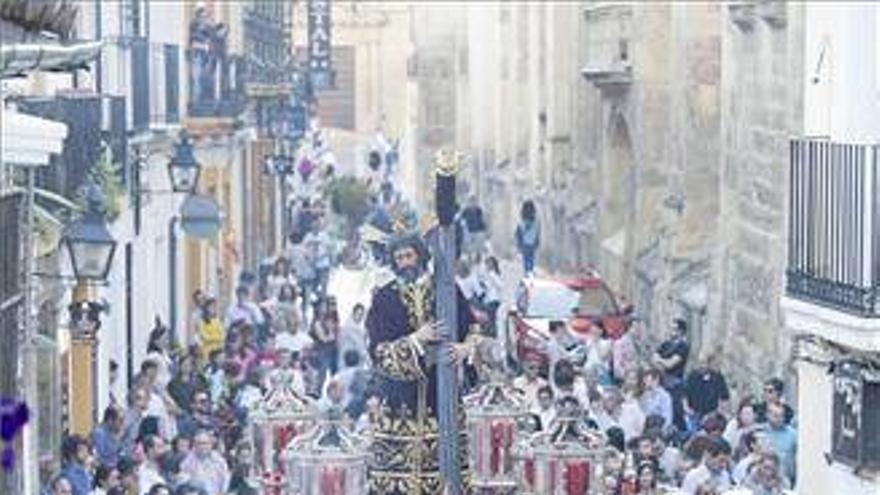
pixel 183 169
pixel 276 420
pixel 328 459
pixel 493 414
pixel 568 458
pixel 89 242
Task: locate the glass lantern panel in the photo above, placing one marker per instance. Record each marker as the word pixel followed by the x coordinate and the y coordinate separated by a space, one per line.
pixel 183 178
pixel 90 259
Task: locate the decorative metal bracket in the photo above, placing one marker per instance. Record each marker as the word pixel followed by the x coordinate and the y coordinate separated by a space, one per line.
pixel 773 12
pixel 743 14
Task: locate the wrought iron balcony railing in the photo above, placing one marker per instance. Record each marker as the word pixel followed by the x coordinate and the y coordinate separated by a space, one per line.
pixel 834 225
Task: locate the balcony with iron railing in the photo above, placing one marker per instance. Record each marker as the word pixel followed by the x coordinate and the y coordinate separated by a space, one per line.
pixel 834 226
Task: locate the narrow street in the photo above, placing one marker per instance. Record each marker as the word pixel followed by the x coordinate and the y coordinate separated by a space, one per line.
pixel 268 247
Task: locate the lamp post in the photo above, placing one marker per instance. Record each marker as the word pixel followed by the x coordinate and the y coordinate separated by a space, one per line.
pixel 90 248
pixel 183 172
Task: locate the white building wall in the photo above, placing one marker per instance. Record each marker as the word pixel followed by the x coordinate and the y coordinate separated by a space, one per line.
pixel 842 103
pixel 815 474
pixel 149 280
pixel 842 80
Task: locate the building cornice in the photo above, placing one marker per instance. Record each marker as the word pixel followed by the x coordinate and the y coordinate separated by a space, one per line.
pixel 802 317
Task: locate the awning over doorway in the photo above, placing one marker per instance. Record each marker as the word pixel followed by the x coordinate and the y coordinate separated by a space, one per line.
pixel 27 140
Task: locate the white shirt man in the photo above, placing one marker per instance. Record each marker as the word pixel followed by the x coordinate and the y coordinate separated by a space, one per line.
pixel 205 465
pixel 243 309
pixel 149 473
pixel 713 470
pixel 296 341
pixel 529 382
pixel 469 285
pixel 545 408
pixel 624 413
pixel 655 400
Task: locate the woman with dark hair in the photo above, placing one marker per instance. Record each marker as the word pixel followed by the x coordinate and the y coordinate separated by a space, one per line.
pixel 280 276
pixel 647 478
pixel 528 236
pixel 186 381
pixel 325 332
pixel 241 350
pixel 743 422
pixel 751 448
pixel 159 350
pixel 285 311
pixel 616 438
pixel 240 468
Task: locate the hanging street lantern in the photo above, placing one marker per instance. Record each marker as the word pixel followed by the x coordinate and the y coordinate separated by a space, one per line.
pixel 493 414
pixel 183 169
pixel 568 458
pixel 328 460
pixel 280 416
pixel 88 241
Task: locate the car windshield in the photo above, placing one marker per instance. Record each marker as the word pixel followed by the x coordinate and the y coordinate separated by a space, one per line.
pixel 595 302
pixel 552 301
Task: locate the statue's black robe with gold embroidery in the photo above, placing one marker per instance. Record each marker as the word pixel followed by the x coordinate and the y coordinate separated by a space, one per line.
pixel 404 455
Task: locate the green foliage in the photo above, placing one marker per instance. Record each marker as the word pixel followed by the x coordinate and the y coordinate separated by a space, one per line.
pixel 349 198
pixel 105 174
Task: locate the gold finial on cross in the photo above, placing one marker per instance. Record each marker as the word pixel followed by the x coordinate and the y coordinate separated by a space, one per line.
pixel 447 162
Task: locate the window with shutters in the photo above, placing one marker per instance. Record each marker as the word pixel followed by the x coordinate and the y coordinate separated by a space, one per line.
pixel 140 83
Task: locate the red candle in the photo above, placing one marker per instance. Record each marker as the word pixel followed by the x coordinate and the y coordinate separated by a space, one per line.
pixel 529 466
pixel 577 477
pixel 332 481
pixel 497 442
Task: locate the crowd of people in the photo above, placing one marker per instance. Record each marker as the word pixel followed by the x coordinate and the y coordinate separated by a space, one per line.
pixel 183 428
pixel 676 428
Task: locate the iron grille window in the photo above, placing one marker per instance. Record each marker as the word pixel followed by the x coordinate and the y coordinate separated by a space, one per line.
pixel 856 424
pixel 834 226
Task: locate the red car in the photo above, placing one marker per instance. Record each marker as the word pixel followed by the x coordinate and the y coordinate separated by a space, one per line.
pixel 583 303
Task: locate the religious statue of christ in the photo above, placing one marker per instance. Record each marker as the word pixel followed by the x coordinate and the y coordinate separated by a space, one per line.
pixel 403 334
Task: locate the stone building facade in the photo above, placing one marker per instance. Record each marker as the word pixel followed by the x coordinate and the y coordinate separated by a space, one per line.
pixel 653 136
pixel 371 47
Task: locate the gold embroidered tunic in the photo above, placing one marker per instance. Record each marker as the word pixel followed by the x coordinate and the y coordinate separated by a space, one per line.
pixel 404 452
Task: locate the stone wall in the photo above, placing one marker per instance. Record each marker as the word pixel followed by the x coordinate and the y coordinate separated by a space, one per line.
pixel 670 177
pixel 762 98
